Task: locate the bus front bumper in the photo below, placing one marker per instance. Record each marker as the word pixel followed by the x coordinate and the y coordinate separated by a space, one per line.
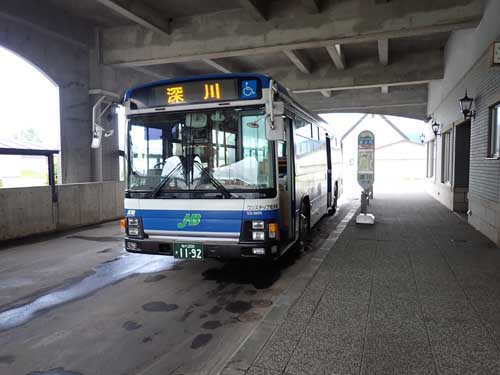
pixel 264 250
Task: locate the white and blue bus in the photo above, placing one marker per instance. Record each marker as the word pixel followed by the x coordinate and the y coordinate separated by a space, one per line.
pixel 224 166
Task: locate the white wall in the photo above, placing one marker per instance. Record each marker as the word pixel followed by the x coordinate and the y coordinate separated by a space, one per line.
pixel 467 67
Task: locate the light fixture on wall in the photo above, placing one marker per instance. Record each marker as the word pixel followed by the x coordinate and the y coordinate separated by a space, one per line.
pixel 466 107
pixel 435 127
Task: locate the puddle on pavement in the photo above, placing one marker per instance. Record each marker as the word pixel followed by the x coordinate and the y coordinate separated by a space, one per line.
pixel 260 276
pixel 214 310
pixel 55 371
pixel 98 238
pixel 7 359
pixel 105 274
pixel 238 307
pixel 108 250
pixel 154 278
pixel 159 306
pixel 201 340
pixel 211 324
pixel 130 325
pixel 249 316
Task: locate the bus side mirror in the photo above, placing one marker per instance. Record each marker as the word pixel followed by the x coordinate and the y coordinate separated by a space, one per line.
pixel 278 108
pixel 275 129
pixel 275 123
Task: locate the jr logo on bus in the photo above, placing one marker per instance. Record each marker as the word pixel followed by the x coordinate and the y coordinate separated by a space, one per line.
pixel 191 220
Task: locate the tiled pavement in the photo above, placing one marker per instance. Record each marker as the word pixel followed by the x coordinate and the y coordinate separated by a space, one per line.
pixel 417 293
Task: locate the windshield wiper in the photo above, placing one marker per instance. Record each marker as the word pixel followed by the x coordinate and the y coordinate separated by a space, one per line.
pixel 218 185
pixel 167 178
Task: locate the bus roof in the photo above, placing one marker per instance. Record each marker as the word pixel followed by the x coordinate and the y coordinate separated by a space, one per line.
pixel 265 81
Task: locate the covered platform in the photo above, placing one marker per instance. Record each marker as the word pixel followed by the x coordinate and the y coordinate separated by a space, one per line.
pixel 417 293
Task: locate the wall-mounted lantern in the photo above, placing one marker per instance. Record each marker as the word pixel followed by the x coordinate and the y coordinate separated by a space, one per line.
pixel 466 107
pixel 435 128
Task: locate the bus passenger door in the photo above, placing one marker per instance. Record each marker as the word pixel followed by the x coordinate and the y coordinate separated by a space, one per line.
pixel 329 172
pixel 286 188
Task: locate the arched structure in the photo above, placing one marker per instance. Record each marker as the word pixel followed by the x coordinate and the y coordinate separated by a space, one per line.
pixel 66 65
pixel 26 85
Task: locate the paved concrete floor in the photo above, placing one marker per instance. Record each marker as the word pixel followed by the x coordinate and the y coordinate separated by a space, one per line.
pixel 418 293
pixel 77 304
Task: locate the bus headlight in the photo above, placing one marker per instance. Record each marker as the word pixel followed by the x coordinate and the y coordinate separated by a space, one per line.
pixel 134 227
pixel 133 231
pixel 258 236
pixel 132 221
pixel 258 224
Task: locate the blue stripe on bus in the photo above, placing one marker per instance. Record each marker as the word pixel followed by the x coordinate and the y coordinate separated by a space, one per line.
pixel 211 221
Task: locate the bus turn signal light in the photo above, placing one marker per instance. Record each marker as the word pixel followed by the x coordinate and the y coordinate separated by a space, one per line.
pixel 274 231
pixel 123 224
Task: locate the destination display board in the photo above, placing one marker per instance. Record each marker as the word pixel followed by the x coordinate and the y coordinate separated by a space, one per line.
pixel 366 159
pixel 196 92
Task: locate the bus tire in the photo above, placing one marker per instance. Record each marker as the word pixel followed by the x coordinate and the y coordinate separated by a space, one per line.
pixel 331 210
pixel 304 221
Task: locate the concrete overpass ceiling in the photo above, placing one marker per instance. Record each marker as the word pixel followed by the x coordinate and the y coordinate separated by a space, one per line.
pixel 406 101
pixel 435 41
pixel 92 12
pixel 186 8
pixel 261 62
pixel 360 52
pixel 316 48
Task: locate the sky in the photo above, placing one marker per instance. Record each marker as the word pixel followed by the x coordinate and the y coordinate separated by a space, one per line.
pixel 29 100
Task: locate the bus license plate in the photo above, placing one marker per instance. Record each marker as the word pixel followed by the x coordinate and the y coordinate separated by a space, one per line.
pixel 188 250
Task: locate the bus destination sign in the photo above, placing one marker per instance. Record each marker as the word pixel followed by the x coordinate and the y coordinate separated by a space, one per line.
pixel 196 92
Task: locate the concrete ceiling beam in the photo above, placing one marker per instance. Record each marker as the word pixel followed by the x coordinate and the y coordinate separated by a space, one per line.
pixel 383 51
pixel 208 37
pixel 138 12
pixel 48 21
pixel 311 6
pixel 408 102
pixel 217 66
pixel 149 72
pixel 337 55
pixel 299 60
pixel 410 69
pixel 257 9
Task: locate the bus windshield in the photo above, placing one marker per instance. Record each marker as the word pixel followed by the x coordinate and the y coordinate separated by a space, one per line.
pixel 212 152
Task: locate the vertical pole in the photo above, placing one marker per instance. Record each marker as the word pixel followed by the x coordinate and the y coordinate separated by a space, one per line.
pixel 52 178
pixel 364 202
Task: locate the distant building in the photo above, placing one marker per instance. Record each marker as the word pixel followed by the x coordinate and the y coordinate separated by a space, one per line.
pixel 398 159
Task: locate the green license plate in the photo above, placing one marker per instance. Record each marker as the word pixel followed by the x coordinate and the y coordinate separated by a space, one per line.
pixel 188 250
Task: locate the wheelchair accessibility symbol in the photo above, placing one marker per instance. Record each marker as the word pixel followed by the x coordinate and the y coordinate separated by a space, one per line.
pixel 249 89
